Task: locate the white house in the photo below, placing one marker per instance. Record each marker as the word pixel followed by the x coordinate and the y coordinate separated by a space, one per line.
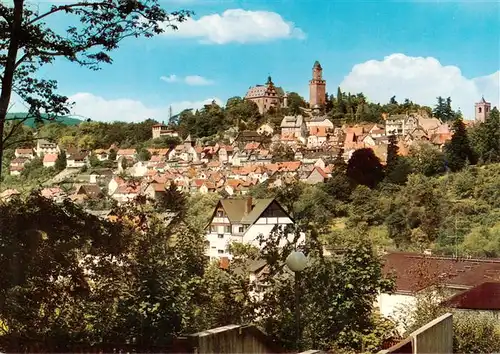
pixel 77 160
pixel 49 160
pixel 44 147
pixel 244 221
pixel 24 153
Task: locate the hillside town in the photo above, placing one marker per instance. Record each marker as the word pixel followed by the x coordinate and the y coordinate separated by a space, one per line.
pixel 311 140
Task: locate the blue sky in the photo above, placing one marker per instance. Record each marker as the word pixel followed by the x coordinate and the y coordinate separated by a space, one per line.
pixel 445 48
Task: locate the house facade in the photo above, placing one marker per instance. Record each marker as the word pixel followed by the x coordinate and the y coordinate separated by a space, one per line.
pixel 44 147
pixel 244 221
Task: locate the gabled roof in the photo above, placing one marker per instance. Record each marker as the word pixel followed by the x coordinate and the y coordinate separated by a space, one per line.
pixel 235 209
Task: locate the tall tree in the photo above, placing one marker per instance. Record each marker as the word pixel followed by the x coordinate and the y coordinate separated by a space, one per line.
pixel 295 102
pixel 364 168
pixel 458 151
pixel 96 28
pixel 61 161
pixel 485 138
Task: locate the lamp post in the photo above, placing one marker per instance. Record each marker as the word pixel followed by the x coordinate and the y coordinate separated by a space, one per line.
pixel 297 262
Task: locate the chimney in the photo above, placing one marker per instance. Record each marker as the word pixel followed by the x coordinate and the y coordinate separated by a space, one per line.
pixel 248 205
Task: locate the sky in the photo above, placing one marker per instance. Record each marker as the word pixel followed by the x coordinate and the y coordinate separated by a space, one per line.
pixel 411 49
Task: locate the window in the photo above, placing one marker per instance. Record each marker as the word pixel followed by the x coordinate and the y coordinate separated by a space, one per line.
pixel 487 109
pixel 220 236
pixel 227 229
pixel 480 109
pixel 241 229
pixel 220 213
pixel 220 251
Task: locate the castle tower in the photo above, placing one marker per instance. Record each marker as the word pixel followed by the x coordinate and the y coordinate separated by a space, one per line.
pixel 483 109
pixel 317 86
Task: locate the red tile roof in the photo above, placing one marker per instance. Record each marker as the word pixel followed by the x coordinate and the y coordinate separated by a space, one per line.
pixel 415 272
pixel 50 158
pixel 485 296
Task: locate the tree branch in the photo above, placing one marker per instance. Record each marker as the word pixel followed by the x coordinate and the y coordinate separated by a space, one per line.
pixel 65 7
pixel 12 130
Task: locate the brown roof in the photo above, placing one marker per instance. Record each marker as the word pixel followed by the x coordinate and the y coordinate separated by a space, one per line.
pixel 415 272
pixel 24 151
pixel 485 296
pixel 90 190
pixel 235 209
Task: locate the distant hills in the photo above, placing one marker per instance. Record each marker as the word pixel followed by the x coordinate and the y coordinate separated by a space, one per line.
pixel 31 121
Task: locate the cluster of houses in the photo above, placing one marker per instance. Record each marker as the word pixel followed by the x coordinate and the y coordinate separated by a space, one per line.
pixel 234 168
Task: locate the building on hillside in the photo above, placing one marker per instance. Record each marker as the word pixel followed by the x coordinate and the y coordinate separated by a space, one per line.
pixel 49 160
pixel 267 96
pixel 243 221
pixel 159 130
pixel 317 87
pixel 44 147
pixel 24 153
pixel 293 126
pixel 482 109
pixel 77 160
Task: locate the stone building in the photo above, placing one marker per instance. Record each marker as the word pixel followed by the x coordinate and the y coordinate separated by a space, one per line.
pixel 267 96
pixel 159 130
pixel 483 109
pixel 317 87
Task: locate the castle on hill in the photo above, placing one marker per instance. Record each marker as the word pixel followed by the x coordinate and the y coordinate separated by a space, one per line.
pixel 269 95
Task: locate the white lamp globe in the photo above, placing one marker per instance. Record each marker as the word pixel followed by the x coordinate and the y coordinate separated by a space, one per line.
pixel 296 261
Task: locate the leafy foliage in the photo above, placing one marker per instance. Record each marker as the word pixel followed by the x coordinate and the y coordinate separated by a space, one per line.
pixel 96 28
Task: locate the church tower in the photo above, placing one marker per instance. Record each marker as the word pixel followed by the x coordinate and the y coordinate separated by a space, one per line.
pixel 483 109
pixel 317 86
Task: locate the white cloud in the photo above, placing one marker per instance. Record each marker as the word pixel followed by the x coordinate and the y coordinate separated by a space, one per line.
pixel 421 80
pixel 237 25
pixel 196 80
pixel 191 80
pixel 98 108
pixel 170 78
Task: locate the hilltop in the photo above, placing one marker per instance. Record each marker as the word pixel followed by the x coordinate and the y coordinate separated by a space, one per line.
pixel 30 122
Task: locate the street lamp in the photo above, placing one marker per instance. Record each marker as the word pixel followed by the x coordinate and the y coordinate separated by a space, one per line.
pixel 297 262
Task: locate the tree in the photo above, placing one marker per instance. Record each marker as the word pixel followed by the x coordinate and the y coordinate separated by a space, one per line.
pixel 61 161
pixel 485 138
pixel 397 168
pixel 335 309
pixel 27 43
pixel 243 114
pixel 173 201
pixel 426 159
pixel 144 155
pixel 295 102
pixel 112 155
pixel 282 152
pixel 458 151
pixel 364 168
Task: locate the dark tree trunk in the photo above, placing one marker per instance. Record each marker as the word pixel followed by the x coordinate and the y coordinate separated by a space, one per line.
pixel 8 74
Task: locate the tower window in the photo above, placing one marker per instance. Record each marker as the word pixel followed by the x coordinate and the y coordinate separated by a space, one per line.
pixel 480 109
pixel 487 109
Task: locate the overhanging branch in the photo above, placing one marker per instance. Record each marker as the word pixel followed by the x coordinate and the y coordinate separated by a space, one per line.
pixel 66 7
